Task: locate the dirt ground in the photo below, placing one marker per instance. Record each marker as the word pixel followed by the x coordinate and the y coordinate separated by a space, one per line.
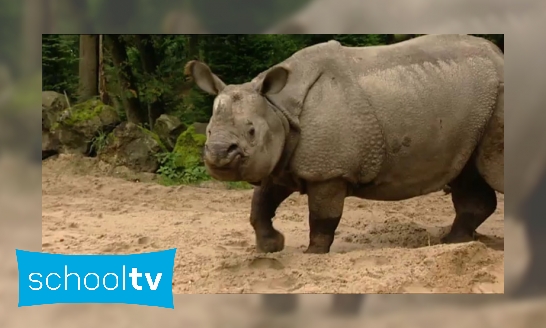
pixel 380 247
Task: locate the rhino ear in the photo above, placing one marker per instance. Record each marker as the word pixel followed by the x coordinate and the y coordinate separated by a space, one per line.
pixel 274 81
pixel 204 78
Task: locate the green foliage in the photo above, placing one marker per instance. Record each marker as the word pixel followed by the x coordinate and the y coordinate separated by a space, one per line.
pixel 99 142
pixel 184 164
pixel 60 63
pixel 171 173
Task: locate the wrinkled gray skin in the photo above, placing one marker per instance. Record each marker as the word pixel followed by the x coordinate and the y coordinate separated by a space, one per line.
pixel 384 123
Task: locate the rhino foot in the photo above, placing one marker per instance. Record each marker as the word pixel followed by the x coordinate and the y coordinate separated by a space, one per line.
pixel 321 234
pixel 270 244
pixel 317 249
pixel 455 238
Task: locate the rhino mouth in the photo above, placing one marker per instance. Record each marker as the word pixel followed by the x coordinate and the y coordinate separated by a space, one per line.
pixel 228 172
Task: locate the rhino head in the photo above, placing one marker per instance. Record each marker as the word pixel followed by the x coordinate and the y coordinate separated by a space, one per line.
pixel 245 135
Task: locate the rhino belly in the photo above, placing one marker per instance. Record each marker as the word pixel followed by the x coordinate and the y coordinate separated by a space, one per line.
pixel 432 119
pixel 417 165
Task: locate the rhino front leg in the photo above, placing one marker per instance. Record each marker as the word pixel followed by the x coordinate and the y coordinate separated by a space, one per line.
pixel 265 201
pixel 326 200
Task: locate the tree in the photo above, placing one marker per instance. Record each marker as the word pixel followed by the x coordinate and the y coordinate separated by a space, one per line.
pixel 126 80
pixel 89 67
pixel 150 63
pixel 60 63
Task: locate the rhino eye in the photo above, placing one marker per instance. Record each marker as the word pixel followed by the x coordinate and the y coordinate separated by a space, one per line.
pixel 252 132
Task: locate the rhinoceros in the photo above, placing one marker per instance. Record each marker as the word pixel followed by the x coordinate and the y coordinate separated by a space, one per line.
pixel 384 123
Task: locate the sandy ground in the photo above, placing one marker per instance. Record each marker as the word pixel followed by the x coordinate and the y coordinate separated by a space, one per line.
pixel 380 247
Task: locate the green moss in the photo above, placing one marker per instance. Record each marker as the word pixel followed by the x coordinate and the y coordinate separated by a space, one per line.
pixel 80 113
pixel 184 164
pixel 188 148
pixel 155 137
pixel 85 111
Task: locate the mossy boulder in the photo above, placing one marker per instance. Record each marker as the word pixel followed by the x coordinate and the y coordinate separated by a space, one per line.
pixel 77 127
pixel 189 148
pixel 132 146
pixel 168 128
pixel 53 104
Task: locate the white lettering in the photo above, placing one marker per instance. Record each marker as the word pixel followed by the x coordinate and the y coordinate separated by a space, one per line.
pixel 123 276
pixel 104 281
pixel 66 275
pixel 47 281
pixel 38 281
pixel 153 286
pixel 85 281
pixel 134 275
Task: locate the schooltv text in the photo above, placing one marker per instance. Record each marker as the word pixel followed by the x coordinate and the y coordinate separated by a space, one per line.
pixel 142 279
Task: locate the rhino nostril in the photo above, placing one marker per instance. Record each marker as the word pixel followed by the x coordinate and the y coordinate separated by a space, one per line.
pixel 232 148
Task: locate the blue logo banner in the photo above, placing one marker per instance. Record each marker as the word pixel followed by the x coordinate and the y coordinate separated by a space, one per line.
pixel 141 279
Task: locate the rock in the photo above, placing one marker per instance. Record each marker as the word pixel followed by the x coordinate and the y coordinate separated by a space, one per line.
pixel 50 144
pixel 168 128
pixel 200 128
pixel 132 146
pixel 189 148
pixel 78 127
pixel 53 105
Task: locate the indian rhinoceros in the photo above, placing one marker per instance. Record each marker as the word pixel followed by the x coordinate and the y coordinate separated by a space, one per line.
pixel 380 122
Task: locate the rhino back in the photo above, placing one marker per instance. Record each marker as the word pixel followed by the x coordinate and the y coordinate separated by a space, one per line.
pixel 405 116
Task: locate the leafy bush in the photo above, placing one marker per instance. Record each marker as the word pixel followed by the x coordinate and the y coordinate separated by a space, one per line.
pixel 99 142
pixel 171 173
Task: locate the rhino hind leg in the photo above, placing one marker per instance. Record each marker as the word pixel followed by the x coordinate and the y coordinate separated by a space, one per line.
pixel 474 201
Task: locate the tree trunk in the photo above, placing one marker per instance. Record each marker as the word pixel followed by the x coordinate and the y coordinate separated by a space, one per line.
pixel 127 81
pixel 149 64
pixel 103 92
pixel 89 67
